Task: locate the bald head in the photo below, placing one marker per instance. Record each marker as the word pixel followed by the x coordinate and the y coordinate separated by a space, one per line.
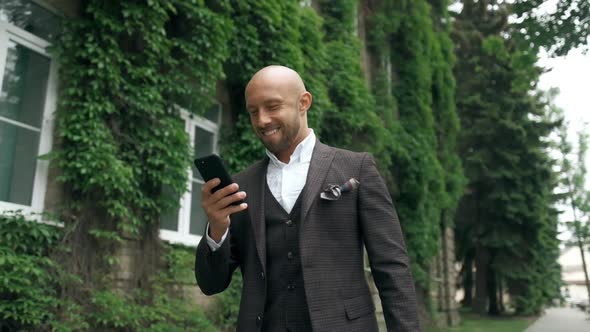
pixel 281 76
pixel 277 102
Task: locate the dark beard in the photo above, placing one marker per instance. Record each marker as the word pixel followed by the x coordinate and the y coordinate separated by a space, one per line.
pixel 283 144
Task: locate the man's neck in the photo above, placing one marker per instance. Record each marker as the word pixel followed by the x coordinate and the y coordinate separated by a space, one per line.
pixel 285 156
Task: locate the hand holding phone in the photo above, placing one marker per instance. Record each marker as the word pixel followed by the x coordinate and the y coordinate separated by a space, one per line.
pixel 219 200
pixel 212 167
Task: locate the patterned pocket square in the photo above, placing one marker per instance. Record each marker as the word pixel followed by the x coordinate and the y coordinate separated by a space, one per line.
pixel 333 191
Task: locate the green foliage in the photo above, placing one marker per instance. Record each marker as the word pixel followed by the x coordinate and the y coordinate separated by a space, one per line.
pixel 32 285
pixel 180 270
pixel 134 312
pixel 349 116
pixel 123 66
pixel 559 30
pixel 420 180
pixel 315 66
pixel 268 34
pixel 475 323
pixel 352 122
pixel 340 18
pixel 445 115
pixel 160 307
pixel 180 264
pixel 30 281
pixel 416 104
pixel 226 316
pixel 508 222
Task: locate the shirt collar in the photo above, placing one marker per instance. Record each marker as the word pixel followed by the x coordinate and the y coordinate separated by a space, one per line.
pixel 302 152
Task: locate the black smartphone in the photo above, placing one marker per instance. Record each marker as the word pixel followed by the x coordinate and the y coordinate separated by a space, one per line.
pixel 212 167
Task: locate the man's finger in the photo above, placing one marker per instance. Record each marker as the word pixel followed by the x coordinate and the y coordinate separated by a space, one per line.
pixel 209 185
pixel 225 191
pixel 227 200
pixel 231 209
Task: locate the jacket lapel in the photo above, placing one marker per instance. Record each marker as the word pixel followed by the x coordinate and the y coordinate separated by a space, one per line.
pixel 256 208
pixel 318 169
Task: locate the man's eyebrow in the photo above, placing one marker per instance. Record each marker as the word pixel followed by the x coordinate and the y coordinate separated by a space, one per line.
pixel 273 101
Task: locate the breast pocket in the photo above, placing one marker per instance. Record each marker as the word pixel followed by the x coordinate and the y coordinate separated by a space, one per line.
pixel 344 207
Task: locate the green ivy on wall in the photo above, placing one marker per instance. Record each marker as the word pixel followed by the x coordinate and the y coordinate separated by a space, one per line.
pixel 125 65
pixel 34 286
pixel 29 279
pixel 414 90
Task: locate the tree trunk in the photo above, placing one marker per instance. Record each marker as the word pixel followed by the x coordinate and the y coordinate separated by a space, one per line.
pixel 494 309
pixel 480 301
pixel 584 266
pixel 580 245
pixel 468 280
pixel 500 295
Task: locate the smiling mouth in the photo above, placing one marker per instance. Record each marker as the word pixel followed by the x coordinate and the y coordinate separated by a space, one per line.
pixel 269 132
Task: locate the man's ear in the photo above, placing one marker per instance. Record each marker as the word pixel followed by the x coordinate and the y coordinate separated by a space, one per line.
pixel 305 101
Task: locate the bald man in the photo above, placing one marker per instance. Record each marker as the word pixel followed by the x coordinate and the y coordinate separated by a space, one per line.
pixel 298 237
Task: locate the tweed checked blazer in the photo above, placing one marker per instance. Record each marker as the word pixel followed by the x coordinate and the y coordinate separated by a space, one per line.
pixel 331 239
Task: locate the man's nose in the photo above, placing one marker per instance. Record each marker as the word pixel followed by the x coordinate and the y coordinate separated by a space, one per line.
pixel 263 118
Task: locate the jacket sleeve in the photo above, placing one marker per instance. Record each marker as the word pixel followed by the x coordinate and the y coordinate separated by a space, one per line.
pixel 214 269
pixel 386 250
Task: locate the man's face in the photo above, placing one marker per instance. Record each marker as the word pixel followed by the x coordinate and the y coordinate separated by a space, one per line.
pixel 274 115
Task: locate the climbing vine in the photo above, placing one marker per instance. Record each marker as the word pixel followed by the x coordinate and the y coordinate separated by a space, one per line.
pixel 124 65
pixel 127 66
pixel 414 88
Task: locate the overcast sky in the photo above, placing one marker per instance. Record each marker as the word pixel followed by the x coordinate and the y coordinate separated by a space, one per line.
pixel 571 74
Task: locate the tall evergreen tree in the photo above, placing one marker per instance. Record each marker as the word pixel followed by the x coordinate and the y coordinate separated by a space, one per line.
pixel 506 219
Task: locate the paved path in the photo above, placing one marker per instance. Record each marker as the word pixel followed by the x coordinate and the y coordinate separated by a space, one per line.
pixel 561 320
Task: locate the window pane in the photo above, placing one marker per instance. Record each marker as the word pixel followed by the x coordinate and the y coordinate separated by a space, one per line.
pixel 30 17
pixel 203 142
pixel 169 220
pixel 203 146
pixel 198 217
pixel 18 161
pixel 24 85
pixel 213 113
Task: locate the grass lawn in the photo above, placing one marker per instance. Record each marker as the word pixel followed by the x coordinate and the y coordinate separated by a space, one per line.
pixel 474 323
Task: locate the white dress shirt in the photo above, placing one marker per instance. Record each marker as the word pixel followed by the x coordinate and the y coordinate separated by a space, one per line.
pixel 285 181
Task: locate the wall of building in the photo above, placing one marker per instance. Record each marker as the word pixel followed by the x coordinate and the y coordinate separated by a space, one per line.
pixel 67 8
pixel 131 250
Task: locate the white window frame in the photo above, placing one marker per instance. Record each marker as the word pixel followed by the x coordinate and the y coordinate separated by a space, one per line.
pixel 24 38
pixel 183 235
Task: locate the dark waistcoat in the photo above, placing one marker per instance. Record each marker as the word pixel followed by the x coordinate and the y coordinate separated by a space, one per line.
pixel 286 308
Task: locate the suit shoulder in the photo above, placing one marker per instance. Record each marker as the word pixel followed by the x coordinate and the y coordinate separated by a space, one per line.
pixel 349 155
